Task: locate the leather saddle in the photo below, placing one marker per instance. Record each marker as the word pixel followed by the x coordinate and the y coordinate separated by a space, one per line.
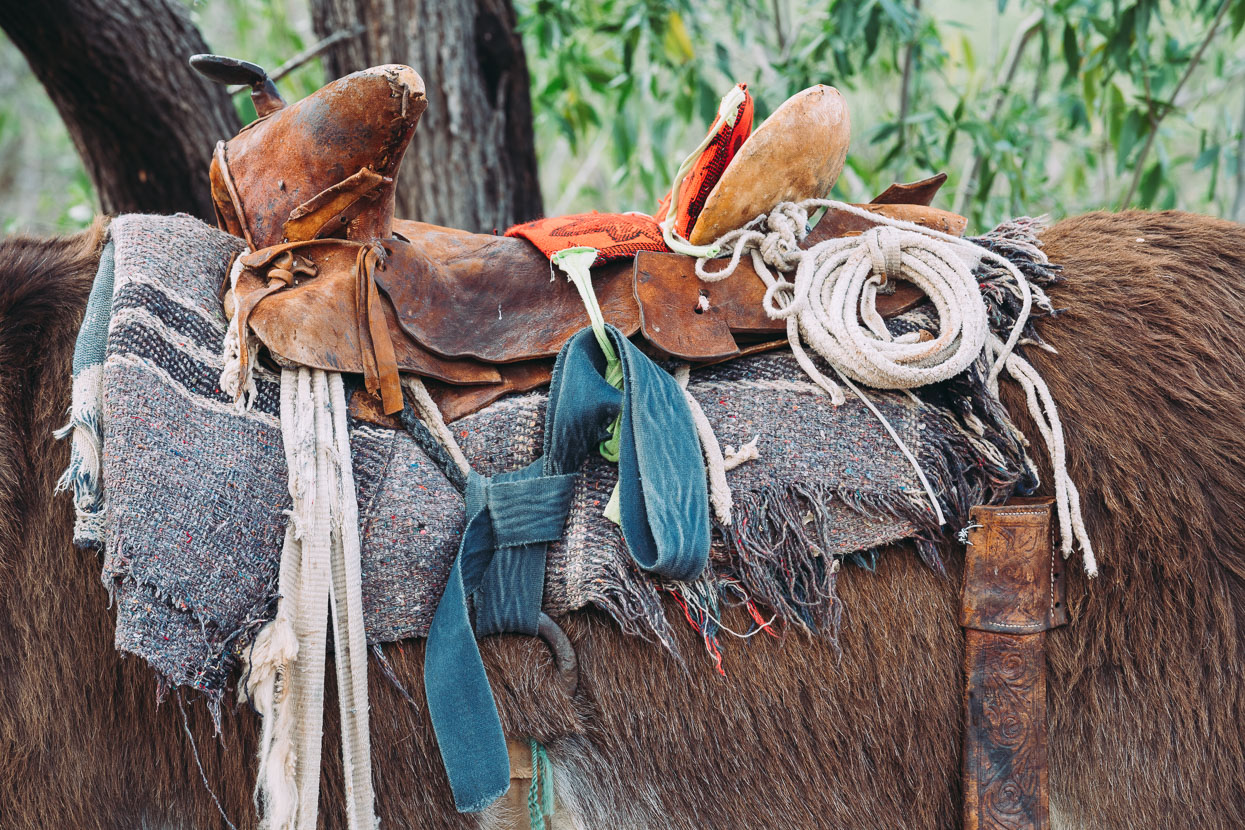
pixel 334 281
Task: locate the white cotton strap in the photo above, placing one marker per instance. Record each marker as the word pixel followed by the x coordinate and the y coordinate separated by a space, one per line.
pixel 349 637
pixel 320 577
pixel 310 615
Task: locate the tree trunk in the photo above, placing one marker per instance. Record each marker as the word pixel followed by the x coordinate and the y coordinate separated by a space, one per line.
pixel 472 163
pixel 143 121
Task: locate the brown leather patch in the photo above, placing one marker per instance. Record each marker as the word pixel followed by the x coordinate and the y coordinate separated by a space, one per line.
pixel 683 316
pixel 458 401
pixel 314 323
pixel 368 407
pixel 914 193
pixel 493 298
pixel 1013 581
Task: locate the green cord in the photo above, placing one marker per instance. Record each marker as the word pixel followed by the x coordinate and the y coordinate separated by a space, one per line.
pixel 540 800
pixel 577 263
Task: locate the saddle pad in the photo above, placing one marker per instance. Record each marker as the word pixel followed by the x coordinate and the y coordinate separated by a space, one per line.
pixel 194 490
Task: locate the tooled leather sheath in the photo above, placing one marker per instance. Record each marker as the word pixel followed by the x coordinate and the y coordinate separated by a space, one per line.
pixel 1013 593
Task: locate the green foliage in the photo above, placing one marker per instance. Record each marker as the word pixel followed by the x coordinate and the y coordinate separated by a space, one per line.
pixel 1101 109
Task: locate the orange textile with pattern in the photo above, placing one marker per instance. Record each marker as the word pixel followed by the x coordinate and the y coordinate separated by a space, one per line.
pixel 698 183
pixel 614 235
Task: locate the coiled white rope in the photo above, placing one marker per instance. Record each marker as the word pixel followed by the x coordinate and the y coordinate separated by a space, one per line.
pixel 831 307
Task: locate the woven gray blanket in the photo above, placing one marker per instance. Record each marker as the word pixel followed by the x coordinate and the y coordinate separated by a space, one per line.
pixel 189 504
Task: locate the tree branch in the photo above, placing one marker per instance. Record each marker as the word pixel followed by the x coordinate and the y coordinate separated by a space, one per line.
pixel 905 86
pixel 1139 170
pixel 310 53
pixel 1238 204
pixel 142 120
pixel 778 28
pixel 1028 28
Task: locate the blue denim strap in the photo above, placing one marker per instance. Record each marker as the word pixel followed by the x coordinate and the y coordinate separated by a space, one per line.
pixel 513 516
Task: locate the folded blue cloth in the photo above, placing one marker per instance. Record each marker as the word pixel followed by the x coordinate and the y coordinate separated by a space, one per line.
pixel 511 518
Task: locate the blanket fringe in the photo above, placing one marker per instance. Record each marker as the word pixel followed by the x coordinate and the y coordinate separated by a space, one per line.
pixel 83 476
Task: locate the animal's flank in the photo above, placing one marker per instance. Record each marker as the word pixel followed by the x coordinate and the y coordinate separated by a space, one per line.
pixel 1146 686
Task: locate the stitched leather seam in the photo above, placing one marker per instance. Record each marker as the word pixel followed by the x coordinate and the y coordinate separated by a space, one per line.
pixel 1050 608
pixel 1031 628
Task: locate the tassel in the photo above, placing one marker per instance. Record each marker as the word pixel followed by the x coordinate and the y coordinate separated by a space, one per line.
pixel 267 669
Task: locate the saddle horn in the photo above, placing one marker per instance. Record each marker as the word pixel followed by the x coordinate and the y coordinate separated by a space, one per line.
pixel 225 70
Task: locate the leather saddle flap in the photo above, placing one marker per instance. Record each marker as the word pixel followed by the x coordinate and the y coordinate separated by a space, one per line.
pixel 314 323
pixel 492 298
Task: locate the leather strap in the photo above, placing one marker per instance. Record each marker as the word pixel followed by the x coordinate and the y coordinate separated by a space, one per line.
pixel 283 263
pixel 1013 594
pixel 223 163
pixel 380 364
pixel 342 202
pixel 280 275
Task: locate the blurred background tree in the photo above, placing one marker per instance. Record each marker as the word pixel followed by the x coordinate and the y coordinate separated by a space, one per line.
pixel 1031 106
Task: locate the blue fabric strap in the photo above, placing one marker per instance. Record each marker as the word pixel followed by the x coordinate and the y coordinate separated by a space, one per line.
pixel 512 517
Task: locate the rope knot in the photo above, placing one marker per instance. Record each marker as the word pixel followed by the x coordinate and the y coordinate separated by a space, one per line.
pixel 883 244
pixel 786 225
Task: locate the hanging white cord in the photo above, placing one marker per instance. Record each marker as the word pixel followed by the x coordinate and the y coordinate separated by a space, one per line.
pixel 430 414
pixel 715 464
pixel 835 289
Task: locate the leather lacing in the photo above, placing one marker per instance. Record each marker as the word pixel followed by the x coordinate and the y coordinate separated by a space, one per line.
pixel 284 266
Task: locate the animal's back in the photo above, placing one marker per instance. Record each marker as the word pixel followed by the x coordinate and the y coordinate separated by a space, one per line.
pixel 1145 686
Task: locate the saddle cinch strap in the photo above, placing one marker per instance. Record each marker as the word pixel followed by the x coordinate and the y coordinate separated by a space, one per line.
pixel 511 518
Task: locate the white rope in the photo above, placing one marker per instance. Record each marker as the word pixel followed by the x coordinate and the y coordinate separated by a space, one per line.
pixel 319 578
pixel 831 306
pixel 430 414
pixel 349 637
pixel 719 489
pixel 746 452
pixel 1067 498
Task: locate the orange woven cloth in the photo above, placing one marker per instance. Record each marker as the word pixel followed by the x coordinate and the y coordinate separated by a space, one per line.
pixel 704 175
pixel 623 235
pixel 614 235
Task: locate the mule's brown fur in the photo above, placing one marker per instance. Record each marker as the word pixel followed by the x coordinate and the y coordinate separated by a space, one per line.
pixel 1146 686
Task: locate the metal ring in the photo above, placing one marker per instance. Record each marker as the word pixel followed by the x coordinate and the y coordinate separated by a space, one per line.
pixel 564 659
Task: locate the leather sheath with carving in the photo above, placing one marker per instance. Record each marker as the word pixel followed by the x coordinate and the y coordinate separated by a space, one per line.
pixel 1013 593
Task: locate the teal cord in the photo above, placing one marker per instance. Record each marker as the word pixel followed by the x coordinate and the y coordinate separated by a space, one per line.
pixel 540 801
